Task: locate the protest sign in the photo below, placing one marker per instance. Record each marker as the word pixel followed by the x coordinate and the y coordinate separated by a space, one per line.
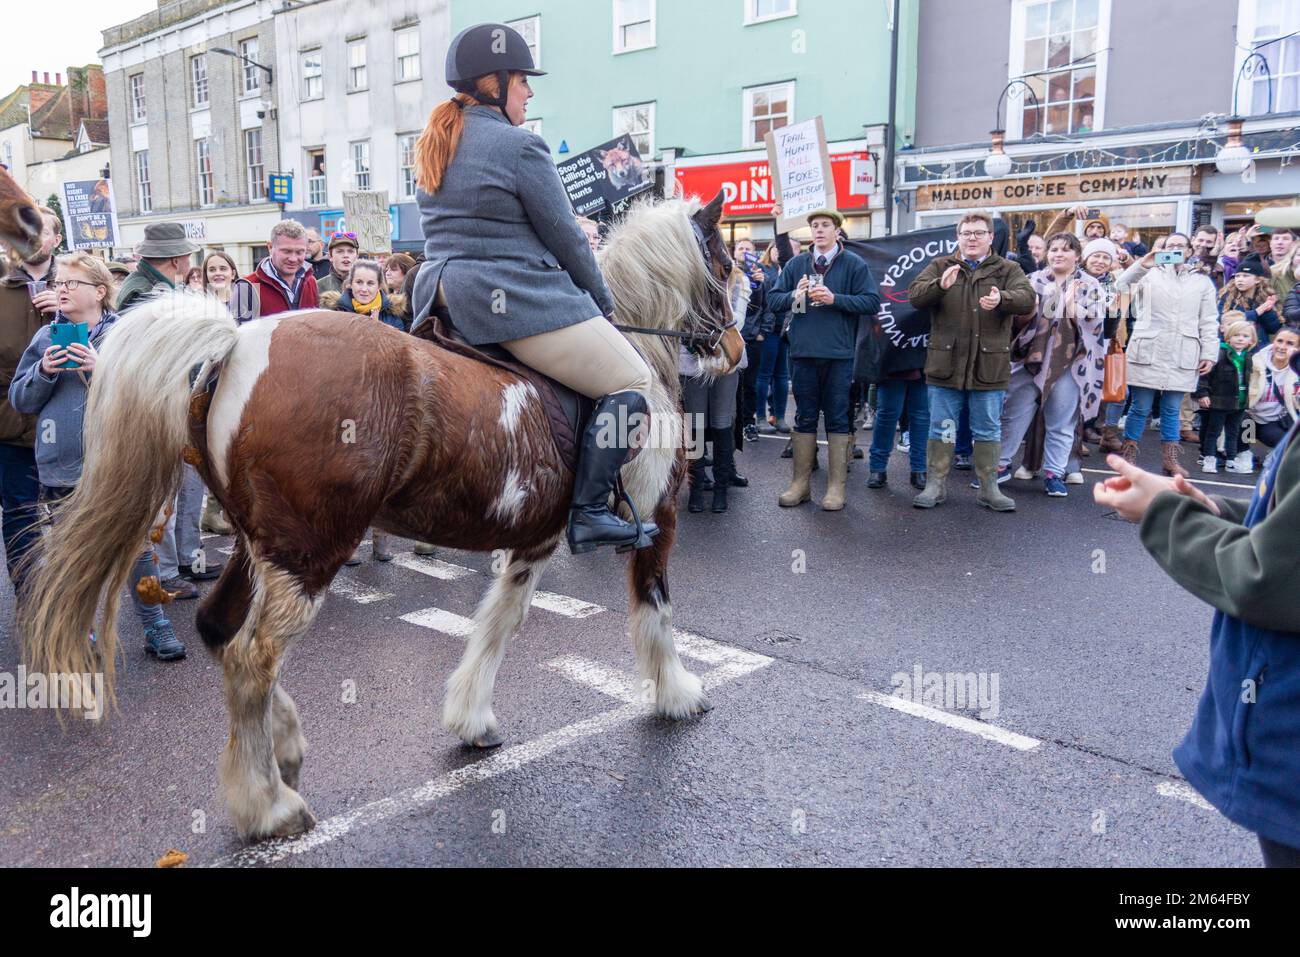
pixel 798 157
pixel 89 214
pixel 366 214
pixel 605 179
pixel 897 339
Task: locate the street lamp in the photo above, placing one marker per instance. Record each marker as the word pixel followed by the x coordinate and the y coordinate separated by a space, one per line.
pixel 239 56
pixel 1234 158
pixel 998 164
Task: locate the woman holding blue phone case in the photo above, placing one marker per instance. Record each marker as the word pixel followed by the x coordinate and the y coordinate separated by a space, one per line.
pixel 52 382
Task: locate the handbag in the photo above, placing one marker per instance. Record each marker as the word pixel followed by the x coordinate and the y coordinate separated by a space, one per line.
pixel 1115 384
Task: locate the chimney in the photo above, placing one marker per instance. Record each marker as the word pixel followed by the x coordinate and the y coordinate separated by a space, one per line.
pixel 33 76
pixel 97 92
pixel 58 79
pixel 47 77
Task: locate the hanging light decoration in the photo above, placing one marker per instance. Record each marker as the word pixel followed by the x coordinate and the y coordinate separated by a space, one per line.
pixel 998 164
pixel 1234 158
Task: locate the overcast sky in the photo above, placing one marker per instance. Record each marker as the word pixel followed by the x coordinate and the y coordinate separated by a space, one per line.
pixel 57 34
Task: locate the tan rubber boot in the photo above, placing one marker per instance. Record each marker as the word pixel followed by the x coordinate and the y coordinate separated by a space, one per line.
pixel 837 472
pixel 986 467
pixel 214 520
pixel 938 463
pixel 800 490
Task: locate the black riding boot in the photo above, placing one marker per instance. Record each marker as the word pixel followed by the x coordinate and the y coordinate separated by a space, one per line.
pixel 591 523
pixel 724 465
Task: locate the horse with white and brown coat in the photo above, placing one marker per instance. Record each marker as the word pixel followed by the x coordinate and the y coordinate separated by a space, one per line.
pixel 320 425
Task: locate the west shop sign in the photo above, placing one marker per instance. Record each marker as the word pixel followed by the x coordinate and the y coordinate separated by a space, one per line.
pixel 1061 190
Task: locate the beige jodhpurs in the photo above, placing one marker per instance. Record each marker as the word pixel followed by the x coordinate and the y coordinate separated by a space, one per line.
pixel 592 358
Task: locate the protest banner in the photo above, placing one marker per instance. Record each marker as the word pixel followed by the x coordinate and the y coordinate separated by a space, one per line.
pixel 366 214
pixel 801 164
pixel 897 339
pixel 606 178
pixel 89 214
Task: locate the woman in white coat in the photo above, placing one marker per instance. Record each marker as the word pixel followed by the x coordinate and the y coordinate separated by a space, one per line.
pixel 1174 342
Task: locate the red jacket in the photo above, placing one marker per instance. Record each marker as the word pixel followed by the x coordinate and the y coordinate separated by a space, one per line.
pixel 273 300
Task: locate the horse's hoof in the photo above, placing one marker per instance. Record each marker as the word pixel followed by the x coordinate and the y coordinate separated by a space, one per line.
pixel 487 740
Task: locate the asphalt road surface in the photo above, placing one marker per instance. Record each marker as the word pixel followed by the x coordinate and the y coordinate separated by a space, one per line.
pixel 801 622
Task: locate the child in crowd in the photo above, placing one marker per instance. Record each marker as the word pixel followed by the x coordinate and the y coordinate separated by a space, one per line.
pixel 1222 396
pixel 1275 387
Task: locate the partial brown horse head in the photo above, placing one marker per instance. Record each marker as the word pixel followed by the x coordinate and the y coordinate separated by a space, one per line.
pixel 20 221
pixel 718 262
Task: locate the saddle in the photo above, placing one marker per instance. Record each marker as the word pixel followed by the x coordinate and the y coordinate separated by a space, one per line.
pixel 566 410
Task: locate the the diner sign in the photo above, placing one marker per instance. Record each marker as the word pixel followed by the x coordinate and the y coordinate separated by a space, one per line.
pixel 1061 190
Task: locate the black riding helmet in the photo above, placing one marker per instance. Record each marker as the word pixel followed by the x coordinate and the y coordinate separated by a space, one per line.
pixel 486 49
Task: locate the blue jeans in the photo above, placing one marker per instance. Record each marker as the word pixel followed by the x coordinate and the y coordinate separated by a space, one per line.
pixel 821 388
pixel 19 491
pixel 946 408
pixel 773 373
pixel 1142 399
pixel 182 542
pixel 890 396
pixel 965 441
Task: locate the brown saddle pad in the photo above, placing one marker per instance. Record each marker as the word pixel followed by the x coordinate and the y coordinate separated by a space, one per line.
pixel 566 410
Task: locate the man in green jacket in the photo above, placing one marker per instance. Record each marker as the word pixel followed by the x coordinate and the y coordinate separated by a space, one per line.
pixel 164 261
pixel 972 295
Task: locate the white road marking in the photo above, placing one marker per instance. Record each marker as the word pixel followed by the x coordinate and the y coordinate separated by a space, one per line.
pixel 713 653
pixel 1194 481
pixel 616 684
pixel 564 605
pixel 498 763
pixel 444 621
pixel 433 567
pixel 988 731
pixel 357 592
pixel 1183 792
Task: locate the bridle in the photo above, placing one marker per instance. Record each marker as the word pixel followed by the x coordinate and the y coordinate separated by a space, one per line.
pixel 711 337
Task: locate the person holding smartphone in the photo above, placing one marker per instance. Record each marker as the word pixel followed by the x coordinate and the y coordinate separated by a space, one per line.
pixel 49 386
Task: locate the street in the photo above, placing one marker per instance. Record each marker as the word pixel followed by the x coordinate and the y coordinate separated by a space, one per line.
pixel 1087 658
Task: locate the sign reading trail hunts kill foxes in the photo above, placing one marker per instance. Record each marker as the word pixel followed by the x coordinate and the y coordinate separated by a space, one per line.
pixel 606 178
pixel 801 166
pixel 366 214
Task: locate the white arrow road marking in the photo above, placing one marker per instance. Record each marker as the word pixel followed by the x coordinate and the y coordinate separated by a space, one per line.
pixel 357 592
pixel 446 622
pixel 1183 792
pixel 564 605
pixel 433 567
pixel 498 763
pixel 988 731
pixel 584 671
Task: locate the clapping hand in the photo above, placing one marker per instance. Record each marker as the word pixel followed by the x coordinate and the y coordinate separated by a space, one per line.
pixel 1131 492
pixel 991 300
pixel 949 276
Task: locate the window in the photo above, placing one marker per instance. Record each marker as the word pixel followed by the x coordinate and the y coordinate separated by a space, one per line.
pixel 252 75
pixel 408 54
pixel 143 189
pixel 634 25
pixel 639 122
pixel 767 108
pixel 313 84
pixel 316 177
pixel 256 165
pixel 356 64
pixel 756 11
pixel 531 30
pixel 199 80
pixel 1259 22
pixel 203 171
pixel 406 163
pixel 137 98
pixel 361 165
pixel 1057 47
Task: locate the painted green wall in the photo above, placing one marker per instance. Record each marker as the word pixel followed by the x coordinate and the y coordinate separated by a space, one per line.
pixel 837 51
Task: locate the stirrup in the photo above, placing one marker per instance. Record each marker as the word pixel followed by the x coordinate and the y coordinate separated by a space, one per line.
pixel 644 539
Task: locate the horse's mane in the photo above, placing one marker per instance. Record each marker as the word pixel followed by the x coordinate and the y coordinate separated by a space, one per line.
pixel 654 272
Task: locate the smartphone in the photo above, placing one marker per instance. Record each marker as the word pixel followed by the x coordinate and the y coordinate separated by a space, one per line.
pixel 1173 257
pixel 65 334
pixel 1094 214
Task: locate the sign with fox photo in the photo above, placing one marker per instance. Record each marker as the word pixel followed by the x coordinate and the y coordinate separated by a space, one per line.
pixel 606 178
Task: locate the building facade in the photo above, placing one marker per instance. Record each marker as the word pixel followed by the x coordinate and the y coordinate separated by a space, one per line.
pixel 194 130
pixel 1116 106
pixel 697 85
pixel 360 81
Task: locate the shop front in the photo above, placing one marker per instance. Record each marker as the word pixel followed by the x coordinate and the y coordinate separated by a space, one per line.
pixel 747 185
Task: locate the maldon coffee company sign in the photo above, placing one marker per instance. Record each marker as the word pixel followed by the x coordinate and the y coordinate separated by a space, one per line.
pixel 1061 190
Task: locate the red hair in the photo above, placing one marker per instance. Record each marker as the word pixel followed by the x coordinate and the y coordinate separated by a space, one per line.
pixel 441 137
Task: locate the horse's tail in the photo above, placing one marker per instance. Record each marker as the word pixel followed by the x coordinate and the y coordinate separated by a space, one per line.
pixel 135 434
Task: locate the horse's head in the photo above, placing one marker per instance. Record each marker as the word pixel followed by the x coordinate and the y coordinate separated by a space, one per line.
pixel 20 221
pixel 730 348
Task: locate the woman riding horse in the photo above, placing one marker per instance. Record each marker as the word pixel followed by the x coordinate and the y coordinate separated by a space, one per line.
pixel 504 253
